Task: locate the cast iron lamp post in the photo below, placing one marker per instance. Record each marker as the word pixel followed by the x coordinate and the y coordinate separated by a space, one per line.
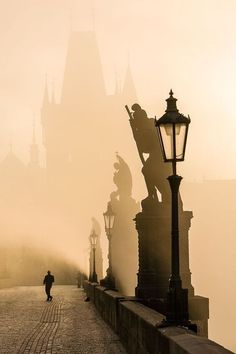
pixel 109 218
pixel 172 129
pixel 93 242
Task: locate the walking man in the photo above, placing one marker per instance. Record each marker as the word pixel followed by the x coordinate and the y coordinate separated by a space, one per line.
pixel 48 280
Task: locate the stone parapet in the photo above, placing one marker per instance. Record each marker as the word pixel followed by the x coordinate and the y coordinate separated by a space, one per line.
pixel 90 289
pixel 140 334
pixel 107 303
pixel 138 326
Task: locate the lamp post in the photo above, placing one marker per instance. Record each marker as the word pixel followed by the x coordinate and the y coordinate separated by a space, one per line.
pixel 172 129
pixel 109 218
pixel 93 242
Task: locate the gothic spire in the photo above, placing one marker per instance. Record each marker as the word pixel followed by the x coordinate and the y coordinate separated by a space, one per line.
pixel 34 153
pixel 46 95
pixel 129 90
pixel 117 85
pixel 53 92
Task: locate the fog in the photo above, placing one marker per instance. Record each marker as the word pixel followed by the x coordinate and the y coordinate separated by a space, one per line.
pixel 46 207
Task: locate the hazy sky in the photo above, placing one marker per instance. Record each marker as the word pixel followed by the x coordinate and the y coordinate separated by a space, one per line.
pixel 186 45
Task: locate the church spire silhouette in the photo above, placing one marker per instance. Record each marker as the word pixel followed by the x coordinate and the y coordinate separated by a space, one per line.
pixel 10 147
pixel 34 152
pixel 117 90
pixel 46 94
pixel 45 104
pixel 53 101
pixel 129 90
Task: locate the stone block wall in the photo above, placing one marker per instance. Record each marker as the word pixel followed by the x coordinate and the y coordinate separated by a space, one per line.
pixel 138 326
pixel 107 303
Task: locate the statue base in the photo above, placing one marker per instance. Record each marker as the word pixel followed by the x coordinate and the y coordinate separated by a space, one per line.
pixel 154 243
pixel 154 236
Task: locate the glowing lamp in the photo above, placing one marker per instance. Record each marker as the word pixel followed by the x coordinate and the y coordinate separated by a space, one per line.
pixel 93 239
pixel 172 128
pixel 109 217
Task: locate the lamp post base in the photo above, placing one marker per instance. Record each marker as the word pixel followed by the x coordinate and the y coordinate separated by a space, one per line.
pixel 94 278
pixel 184 324
pixel 177 303
pixel 177 307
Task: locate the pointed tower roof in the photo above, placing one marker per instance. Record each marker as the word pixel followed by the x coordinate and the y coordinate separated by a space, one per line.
pixel 34 152
pixel 83 78
pixel 11 162
pixel 33 135
pixel 129 90
pixel 53 101
pixel 45 95
pixel 117 85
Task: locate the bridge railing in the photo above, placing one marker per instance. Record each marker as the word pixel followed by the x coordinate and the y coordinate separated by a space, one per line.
pixel 137 326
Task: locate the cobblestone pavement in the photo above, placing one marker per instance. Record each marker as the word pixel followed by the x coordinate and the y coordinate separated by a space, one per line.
pixel 66 325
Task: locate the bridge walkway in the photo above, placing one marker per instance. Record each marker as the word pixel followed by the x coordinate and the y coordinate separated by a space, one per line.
pixel 66 325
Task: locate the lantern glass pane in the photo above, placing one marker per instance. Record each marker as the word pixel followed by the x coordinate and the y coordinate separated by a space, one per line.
pixel 93 239
pixel 181 130
pixel 166 131
pixel 106 220
pixel 111 221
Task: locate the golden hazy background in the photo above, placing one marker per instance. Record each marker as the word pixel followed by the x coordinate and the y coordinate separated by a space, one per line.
pixel 189 46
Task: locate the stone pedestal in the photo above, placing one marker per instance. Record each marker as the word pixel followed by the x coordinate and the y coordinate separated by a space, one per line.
pixel 152 275
pixel 124 246
pixel 154 247
pixel 154 237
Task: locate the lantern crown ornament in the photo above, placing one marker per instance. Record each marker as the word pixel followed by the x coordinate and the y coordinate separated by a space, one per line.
pixel 171 103
pixel 172 129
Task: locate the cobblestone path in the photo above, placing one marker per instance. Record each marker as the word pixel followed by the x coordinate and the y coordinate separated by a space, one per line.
pixel 42 337
pixel 29 324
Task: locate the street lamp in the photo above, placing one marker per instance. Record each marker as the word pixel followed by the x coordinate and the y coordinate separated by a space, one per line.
pixel 93 242
pixel 109 218
pixel 172 129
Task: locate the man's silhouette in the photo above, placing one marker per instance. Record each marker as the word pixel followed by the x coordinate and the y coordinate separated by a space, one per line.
pixel 48 280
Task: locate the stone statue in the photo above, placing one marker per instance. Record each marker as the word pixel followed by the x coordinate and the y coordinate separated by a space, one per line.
pixel 122 179
pixel 123 242
pixel 155 171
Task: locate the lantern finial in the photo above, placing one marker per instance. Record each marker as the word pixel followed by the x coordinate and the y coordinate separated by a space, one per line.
pixel 171 103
